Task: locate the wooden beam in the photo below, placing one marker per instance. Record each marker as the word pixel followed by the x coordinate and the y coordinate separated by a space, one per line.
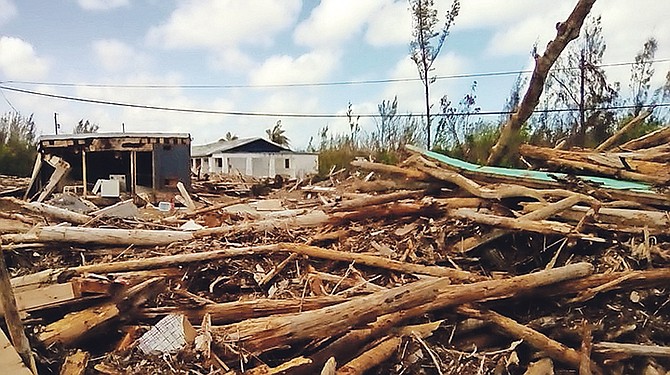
pixel 10 361
pixel 12 318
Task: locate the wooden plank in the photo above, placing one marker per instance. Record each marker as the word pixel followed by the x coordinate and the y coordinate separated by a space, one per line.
pixel 10 362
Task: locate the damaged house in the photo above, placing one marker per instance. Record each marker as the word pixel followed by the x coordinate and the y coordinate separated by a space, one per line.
pixel 111 163
pixel 255 157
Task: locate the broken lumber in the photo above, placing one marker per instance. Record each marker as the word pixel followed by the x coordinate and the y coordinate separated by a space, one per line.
pixel 80 324
pixel 75 363
pixel 61 169
pixel 261 334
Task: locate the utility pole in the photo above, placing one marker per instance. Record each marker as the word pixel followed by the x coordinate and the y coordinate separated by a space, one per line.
pixel 56 122
pixel 582 80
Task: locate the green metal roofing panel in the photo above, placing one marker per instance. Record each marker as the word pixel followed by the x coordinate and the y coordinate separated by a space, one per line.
pixel 608 183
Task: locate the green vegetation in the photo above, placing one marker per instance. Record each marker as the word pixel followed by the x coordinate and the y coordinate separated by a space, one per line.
pixel 84 127
pixel 17 144
pixel 276 135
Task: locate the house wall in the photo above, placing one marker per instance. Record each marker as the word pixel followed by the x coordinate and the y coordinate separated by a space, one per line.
pixel 168 162
pixel 262 164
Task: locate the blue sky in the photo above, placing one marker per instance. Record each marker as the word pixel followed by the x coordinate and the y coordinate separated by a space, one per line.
pixel 112 43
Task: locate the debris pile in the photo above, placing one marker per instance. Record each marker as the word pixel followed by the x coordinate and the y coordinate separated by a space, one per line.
pixel 432 266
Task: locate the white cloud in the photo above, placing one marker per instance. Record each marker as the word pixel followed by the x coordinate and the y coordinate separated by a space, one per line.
pixel 232 60
pixel 102 4
pixel 18 60
pixel 224 23
pixel 310 67
pixel 335 21
pixel 7 11
pixel 114 55
pixel 390 25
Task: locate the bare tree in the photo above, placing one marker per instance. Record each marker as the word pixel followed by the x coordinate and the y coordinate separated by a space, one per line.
pixel 427 43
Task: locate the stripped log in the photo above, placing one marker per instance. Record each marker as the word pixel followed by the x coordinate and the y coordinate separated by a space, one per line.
pixel 311 251
pixel 99 236
pixel 229 312
pixel 616 137
pixel 261 334
pixel 48 210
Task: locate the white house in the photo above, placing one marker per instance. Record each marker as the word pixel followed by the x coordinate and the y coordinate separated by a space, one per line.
pixel 256 157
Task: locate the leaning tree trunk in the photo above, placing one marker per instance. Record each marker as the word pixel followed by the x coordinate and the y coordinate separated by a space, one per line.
pixel 567 31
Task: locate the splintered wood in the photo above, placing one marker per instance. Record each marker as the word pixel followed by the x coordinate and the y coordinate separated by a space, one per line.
pixel 430 266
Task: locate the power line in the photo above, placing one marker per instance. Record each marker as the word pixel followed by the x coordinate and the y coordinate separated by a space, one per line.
pixel 291 115
pixel 312 84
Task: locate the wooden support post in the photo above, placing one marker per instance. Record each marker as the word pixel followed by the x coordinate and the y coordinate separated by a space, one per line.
pixel 84 174
pixel 12 318
pixel 133 172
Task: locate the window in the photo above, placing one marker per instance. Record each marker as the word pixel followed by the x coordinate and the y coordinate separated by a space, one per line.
pixel 219 162
pixel 287 163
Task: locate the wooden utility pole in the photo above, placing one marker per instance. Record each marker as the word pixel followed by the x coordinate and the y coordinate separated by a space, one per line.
pixel 12 318
pixel 582 79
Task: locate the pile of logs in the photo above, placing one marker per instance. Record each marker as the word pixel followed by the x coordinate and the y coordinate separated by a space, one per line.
pixel 415 269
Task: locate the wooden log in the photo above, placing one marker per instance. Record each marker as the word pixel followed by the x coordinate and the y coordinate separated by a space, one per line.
pixel 311 219
pixel 380 262
pixel 539 341
pixel 616 349
pixel 283 368
pixel 605 164
pixel 391 169
pixel 549 210
pixel 536 226
pixel 229 312
pixel 75 363
pixel 311 251
pixel 372 357
pixel 85 323
pixel 624 217
pixel 100 236
pixel 615 281
pixel 544 366
pixel 654 138
pixel 566 32
pixel 357 204
pixel 12 317
pixel 260 334
pixel 58 213
pixel 635 121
